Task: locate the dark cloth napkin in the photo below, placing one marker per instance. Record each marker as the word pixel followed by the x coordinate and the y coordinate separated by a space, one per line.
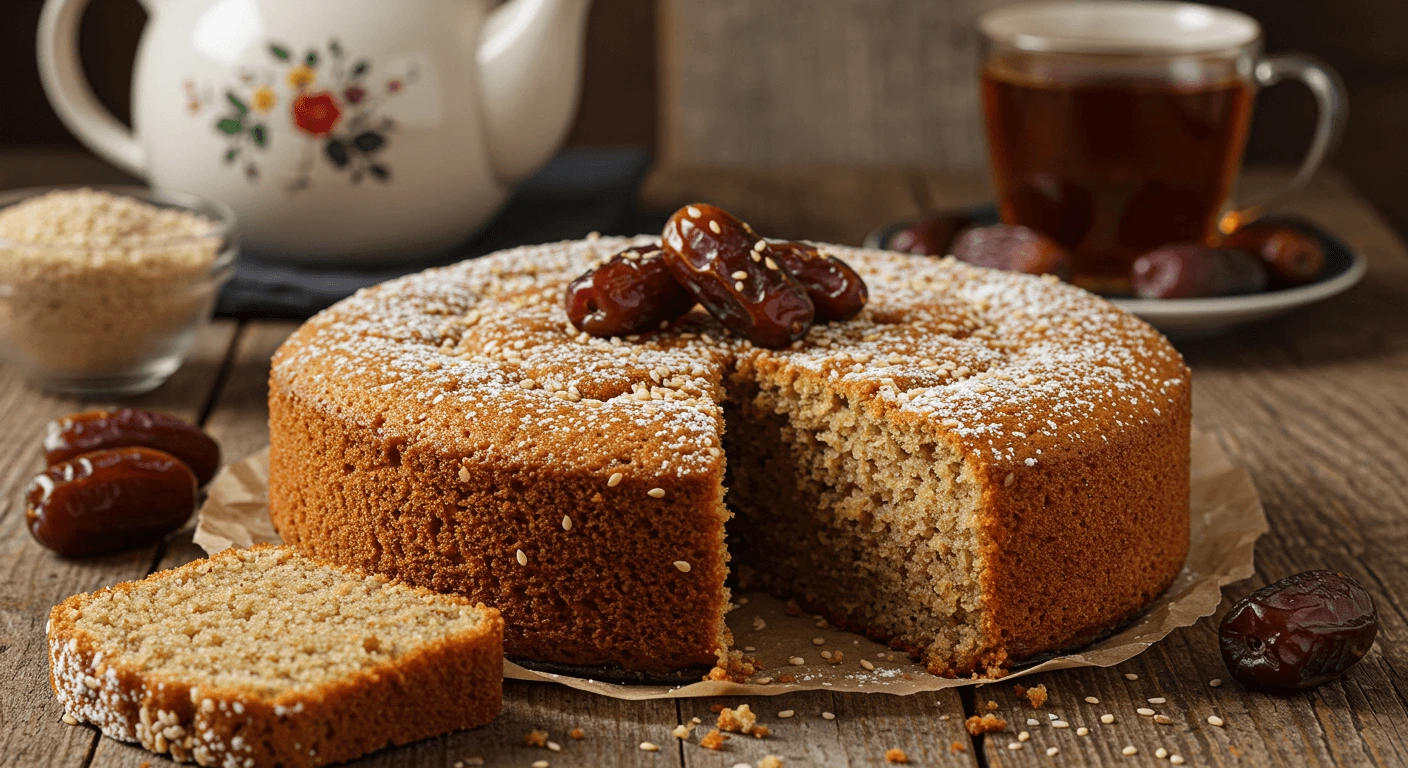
pixel 577 192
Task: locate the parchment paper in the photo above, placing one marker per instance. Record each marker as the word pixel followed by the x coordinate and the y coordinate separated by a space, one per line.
pixel 1226 520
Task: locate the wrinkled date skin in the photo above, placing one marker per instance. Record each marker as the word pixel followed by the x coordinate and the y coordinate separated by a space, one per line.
pixel 1293 256
pixel 1188 270
pixel 1012 248
pixel 711 253
pixel 931 235
pixel 81 433
pixel 836 291
pixel 1302 631
pixel 631 293
pixel 109 500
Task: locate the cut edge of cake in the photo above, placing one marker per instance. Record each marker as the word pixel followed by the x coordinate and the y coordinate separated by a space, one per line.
pixel 406 683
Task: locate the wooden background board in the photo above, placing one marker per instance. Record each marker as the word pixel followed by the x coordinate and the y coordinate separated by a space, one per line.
pixel 1313 405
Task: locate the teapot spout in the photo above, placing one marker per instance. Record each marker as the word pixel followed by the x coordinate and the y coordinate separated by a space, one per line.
pixel 530 65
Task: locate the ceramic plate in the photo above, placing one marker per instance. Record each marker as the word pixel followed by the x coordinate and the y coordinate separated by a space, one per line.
pixel 1193 318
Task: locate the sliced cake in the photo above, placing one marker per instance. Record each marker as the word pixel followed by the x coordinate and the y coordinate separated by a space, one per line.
pixel 263 657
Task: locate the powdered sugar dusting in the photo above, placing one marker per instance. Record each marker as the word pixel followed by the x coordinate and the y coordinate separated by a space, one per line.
pixel 479 359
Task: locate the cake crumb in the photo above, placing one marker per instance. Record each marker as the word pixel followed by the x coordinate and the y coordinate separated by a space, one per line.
pixel 577 733
pixel 980 724
pixel 793 609
pixel 836 657
pixel 896 756
pixel 716 708
pixel 734 667
pixel 957 746
pixel 991 706
pixel 536 739
pixel 682 732
pixel 741 720
pixel 770 761
pixel 713 740
pixel 785 679
pixel 1036 695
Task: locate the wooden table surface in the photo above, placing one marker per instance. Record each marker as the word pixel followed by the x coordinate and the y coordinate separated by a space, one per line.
pixel 1315 406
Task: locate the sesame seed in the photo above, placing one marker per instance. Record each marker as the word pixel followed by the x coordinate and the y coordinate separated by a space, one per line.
pixel 818 641
pixel 760 246
pixel 522 558
pixel 796 661
pixel 786 713
pixel 1060 724
pixel 614 480
pixel 682 566
pixel 1010 479
pixel 769 263
pixel 566 523
pixel 1129 751
pixel 1033 721
pixel 541 764
pixel 1162 719
pixel 464 475
pixel 714 227
pixel 1014 745
pixel 1145 711
pixel 1023 736
pixel 1158 700
pixel 1130 676
pixel 1051 751
pixel 740 275
pixel 742 765
pixel 692 211
pixel 1216 682
pixel 646 746
pixel 763 680
pixel 868 666
pixel 528 384
pixel 656 493
pixel 826 654
pixel 1161 753
pixel 1082 731
pixel 827 716
pixel 681 732
pixel 1107 719
pixel 70 719
pixel 738 285
pixel 1091 700
pixel 1176 759
pixel 1215 720
pixel 553 746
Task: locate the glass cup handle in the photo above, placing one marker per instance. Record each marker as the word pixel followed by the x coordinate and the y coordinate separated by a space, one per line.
pixel 1333 109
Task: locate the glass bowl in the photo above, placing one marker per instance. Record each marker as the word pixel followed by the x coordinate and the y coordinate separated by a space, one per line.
pixel 113 315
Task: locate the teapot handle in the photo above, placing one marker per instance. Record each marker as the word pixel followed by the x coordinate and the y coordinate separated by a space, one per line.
pixel 61 71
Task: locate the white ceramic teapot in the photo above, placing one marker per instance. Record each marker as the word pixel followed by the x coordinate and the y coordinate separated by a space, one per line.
pixel 340 131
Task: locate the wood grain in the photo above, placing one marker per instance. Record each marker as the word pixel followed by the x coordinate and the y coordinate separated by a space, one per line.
pixel 1312 404
pixel 33 579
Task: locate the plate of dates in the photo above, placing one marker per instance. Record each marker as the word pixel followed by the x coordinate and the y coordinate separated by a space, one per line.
pixel 1266 269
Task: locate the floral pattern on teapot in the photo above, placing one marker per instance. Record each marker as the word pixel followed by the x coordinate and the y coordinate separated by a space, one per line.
pixel 336 107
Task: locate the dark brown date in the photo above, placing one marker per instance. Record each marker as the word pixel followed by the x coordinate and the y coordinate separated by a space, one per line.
pixel 632 292
pixel 1293 256
pixel 1012 248
pixel 1302 631
pixel 835 289
pixel 95 430
pixel 109 500
pixel 931 235
pixel 711 253
pixel 1188 270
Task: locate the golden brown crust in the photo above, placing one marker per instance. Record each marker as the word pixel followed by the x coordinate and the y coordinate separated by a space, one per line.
pixel 447 685
pixel 432 427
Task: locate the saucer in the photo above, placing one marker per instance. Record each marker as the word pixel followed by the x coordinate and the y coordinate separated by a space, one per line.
pixel 1197 318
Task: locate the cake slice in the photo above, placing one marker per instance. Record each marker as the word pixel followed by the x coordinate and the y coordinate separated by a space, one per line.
pixel 263 657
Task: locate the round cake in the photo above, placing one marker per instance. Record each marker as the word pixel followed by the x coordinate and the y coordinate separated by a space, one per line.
pixel 979 467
